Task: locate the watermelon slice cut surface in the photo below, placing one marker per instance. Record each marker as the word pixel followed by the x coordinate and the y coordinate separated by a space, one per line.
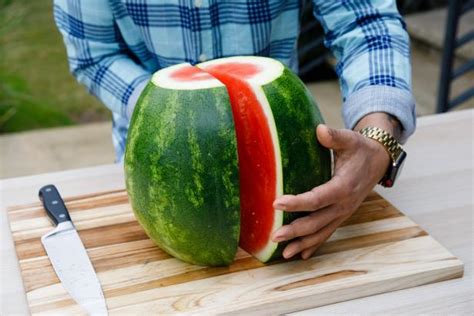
pixel 258 149
pixel 272 150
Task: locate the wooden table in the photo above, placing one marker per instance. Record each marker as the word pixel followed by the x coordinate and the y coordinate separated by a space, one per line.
pixel 436 190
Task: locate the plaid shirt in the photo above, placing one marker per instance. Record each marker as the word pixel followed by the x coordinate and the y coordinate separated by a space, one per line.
pixel 114 46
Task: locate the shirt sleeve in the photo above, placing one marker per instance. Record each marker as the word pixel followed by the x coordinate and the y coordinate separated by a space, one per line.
pixel 371 45
pixel 97 55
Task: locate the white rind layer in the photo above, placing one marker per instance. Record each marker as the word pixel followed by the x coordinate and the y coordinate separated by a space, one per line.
pixel 266 253
pixel 163 79
pixel 270 69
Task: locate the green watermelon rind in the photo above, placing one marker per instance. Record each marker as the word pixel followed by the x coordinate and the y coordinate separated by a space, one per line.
pixel 305 162
pixel 189 205
pixel 183 180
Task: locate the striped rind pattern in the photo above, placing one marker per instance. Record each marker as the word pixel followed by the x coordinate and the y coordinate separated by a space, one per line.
pixel 182 169
pixel 182 178
pixel 305 162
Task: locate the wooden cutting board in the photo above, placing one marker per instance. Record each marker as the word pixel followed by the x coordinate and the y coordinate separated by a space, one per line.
pixel 377 250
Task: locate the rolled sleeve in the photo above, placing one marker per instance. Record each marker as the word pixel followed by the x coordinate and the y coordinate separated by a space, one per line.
pixel 394 101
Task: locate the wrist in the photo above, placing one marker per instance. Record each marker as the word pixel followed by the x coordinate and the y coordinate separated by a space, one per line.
pixel 382 99
pixel 380 157
pixel 382 120
pixel 392 148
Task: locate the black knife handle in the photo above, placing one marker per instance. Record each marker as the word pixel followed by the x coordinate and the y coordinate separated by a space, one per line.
pixel 53 204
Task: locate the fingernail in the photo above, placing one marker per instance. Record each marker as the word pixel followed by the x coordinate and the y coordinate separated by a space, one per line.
pixel 280 204
pixel 278 236
pixel 330 131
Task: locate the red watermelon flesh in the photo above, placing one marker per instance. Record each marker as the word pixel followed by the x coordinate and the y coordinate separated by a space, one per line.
pixel 190 73
pixel 256 156
pixel 256 152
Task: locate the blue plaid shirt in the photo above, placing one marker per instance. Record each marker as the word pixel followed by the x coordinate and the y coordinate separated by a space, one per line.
pixel 114 46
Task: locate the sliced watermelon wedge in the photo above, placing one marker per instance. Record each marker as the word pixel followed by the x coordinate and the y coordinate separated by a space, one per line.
pixel 258 148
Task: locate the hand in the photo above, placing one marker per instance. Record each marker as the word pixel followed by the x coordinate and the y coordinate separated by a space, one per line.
pixel 360 163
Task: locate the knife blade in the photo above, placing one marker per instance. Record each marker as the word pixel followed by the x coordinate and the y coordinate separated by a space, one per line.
pixel 68 255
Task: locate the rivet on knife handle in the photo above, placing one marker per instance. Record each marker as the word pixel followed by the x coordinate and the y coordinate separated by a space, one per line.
pixel 54 204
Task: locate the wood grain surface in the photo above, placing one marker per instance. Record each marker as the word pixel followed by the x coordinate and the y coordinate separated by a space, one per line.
pixel 377 250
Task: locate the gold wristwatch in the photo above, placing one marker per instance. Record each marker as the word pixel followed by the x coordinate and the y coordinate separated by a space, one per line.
pixel 396 152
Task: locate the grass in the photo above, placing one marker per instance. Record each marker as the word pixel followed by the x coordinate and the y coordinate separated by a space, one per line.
pixel 36 88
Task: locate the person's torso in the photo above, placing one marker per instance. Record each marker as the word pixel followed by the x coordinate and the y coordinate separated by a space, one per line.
pixel 161 33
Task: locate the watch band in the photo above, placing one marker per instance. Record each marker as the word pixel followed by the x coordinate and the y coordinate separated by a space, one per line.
pixel 388 141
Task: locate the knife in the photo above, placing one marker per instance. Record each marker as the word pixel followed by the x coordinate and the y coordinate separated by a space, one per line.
pixel 69 257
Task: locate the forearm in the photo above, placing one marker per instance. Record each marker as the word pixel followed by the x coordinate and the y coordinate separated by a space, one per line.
pixel 116 80
pixel 96 55
pixel 372 48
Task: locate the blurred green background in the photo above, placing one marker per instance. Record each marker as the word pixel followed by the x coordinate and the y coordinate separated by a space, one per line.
pixel 36 88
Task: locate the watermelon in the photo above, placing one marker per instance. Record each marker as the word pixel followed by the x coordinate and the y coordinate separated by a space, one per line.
pixel 209 149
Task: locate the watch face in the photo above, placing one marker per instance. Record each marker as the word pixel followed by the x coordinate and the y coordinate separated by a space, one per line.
pixel 400 168
pixel 396 169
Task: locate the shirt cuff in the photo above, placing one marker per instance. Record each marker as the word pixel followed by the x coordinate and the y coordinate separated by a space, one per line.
pixel 132 100
pixel 397 102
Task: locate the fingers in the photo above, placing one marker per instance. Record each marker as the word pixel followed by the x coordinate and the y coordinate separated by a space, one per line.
pixel 334 138
pixel 310 243
pixel 306 225
pixel 319 197
pixel 329 192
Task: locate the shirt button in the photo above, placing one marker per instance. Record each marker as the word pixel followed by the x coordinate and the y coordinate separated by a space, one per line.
pixel 197 3
pixel 202 57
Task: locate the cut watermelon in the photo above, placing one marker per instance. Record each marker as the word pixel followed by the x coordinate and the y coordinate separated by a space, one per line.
pixel 258 149
pixel 270 106
pixel 273 127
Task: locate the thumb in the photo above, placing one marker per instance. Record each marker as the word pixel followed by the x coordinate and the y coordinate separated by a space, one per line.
pixel 333 138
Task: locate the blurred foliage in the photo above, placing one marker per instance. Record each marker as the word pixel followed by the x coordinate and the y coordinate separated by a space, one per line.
pixel 20 111
pixel 36 89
